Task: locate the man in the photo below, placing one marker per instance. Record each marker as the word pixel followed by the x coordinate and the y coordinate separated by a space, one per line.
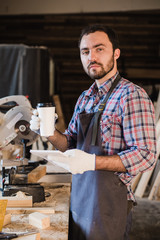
pixel 112 138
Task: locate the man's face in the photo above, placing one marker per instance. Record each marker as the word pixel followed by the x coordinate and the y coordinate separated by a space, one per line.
pixel 97 55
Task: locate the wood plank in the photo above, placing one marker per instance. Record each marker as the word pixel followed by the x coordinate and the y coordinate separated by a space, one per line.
pixel 36 174
pixel 60 125
pixel 44 210
pixel 135 181
pixel 157 111
pixel 35 236
pixel 143 184
pixel 155 187
pixel 18 201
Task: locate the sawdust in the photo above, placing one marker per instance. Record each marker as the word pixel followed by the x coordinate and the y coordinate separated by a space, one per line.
pixel 21 195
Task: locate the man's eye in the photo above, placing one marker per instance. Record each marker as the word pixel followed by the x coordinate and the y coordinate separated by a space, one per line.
pixel 85 52
pixel 99 49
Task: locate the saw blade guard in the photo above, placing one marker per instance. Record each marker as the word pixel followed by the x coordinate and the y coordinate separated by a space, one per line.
pixel 14 124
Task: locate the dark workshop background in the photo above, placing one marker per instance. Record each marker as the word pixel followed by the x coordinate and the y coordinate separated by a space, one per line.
pixel 56 25
pixel 139 35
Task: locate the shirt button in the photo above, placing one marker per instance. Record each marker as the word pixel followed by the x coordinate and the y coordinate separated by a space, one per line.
pixel 100 92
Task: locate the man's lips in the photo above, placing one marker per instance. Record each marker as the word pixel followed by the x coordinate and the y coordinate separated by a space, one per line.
pixel 93 66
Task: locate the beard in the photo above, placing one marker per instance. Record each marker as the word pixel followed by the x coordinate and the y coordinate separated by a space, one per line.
pixel 94 74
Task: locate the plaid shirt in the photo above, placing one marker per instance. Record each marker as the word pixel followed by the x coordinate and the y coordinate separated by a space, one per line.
pixel 127 126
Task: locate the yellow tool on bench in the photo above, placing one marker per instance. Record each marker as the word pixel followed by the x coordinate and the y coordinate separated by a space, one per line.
pixel 3 205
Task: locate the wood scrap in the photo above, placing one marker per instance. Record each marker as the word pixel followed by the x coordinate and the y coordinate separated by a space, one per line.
pixel 36 174
pixel 20 200
pixel 39 220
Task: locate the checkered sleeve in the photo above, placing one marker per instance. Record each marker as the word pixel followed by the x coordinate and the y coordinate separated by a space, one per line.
pixel 138 132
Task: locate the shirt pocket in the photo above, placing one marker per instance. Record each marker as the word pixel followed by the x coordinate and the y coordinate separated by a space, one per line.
pixel 106 124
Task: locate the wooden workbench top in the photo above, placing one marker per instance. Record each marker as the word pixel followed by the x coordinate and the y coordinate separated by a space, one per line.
pixel 56 205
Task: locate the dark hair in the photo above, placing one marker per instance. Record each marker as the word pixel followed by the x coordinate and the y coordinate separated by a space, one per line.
pixel 102 28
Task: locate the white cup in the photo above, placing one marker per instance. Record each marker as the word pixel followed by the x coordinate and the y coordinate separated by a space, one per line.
pixel 46 112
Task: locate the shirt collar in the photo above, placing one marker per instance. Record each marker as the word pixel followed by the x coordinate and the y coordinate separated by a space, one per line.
pixel 104 88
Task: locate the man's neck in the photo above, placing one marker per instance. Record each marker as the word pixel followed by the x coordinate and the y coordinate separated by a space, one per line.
pixel 99 82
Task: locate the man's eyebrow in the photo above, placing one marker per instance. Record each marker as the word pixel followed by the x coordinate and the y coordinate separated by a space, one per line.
pixel 82 49
pixel 98 45
pixel 95 46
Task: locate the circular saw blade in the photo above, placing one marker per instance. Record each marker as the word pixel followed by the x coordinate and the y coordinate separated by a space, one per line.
pixel 24 132
pixel 17 120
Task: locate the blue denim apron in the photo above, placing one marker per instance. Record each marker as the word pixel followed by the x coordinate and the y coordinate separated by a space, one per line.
pixel 98 205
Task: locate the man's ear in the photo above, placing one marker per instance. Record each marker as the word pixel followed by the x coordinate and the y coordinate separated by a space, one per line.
pixel 117 53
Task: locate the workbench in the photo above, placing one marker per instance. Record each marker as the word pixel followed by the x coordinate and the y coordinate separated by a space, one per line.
pixel 56 205
pixel 146 215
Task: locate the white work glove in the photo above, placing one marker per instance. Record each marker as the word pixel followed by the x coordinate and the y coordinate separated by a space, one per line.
pixel 35 121
pixel 75 161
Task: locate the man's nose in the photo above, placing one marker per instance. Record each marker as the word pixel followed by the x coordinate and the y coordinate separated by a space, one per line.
pixel 92 56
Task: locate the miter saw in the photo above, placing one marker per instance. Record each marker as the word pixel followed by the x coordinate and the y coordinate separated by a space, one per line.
pixel 15 122
pixel 15 115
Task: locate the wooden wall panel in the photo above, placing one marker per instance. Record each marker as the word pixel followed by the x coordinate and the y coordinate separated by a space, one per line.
pixel 139 34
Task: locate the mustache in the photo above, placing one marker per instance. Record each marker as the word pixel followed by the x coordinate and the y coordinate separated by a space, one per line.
pixel 92 63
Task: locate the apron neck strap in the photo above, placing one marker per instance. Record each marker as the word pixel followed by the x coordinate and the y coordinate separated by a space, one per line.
pixel 101 108
pixel 102 105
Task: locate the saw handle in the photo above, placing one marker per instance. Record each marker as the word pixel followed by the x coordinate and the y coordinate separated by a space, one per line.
pixel 8 235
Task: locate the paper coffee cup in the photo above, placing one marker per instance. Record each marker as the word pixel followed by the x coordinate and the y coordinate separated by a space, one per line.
pixel 46 112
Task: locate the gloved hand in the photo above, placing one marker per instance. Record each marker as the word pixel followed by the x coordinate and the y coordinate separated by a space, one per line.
pixel 35 121
pixel 75 161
